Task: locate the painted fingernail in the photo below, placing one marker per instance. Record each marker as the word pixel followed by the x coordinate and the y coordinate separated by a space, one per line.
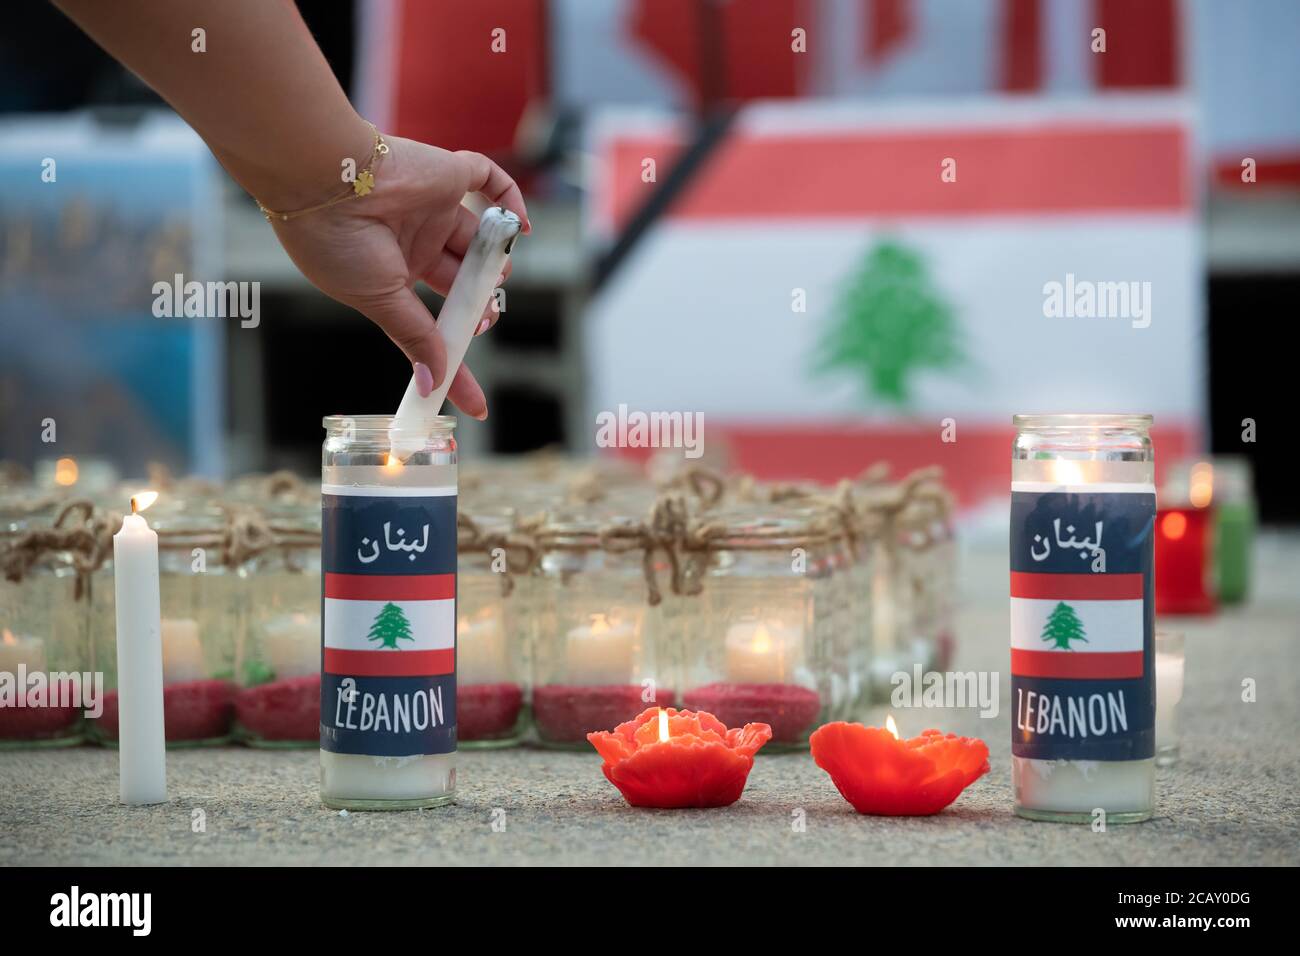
pixel 423 379
pixel 501 278
pixel 483 326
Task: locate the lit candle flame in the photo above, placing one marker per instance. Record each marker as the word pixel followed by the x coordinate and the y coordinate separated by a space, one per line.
pixel 1173 525
pixel 663 726
pixel 65 472
pixel 1201 488
pixel 9 637
pixel 891 726
pixel 392 463
pixel 762 643
pixel 599 624
pixel 1067 472
pixel 143 500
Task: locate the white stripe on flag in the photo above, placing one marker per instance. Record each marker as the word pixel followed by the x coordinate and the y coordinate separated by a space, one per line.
pixel 1107 625
pixel 348 623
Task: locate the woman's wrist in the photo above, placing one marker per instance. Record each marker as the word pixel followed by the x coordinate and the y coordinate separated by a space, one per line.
pixel 307 169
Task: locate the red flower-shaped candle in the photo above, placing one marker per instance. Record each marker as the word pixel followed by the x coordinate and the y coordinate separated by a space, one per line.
pixel 881 774
pixel 672 759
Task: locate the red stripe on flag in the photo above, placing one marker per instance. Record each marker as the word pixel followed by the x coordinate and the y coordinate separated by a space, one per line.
pixel 1022 67
pixel 1077 587
pixel 390 587
pixel 1094 169
pixel 1077 665
pixel 389 663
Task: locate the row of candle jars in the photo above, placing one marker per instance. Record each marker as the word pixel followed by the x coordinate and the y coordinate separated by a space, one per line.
pixel 769 616
pixel 240 599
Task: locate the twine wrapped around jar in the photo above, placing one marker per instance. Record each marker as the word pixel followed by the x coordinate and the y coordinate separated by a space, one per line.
pixel 87 545
pixel 518 546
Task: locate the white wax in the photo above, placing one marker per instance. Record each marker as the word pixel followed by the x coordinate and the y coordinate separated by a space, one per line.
pixel 1082 786
pixel 16 649
pixel 481 650
pixel 291 645
pixel 182 653
pixel 354 777
pixel 762 652
pixel 1169 693
pixel 602 652
pixel 142 748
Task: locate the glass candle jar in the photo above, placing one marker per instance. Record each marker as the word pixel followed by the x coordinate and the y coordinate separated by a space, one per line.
pixel 755 651
pixel 491 663
pixel 202 626
pixel 601 653
pixel 1082 618
pixel 278 702
pixel 1186 521
pixel 388 562
pixel 44 617
pixel 1235 517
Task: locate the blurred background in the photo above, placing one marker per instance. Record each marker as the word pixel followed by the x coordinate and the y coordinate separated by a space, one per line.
pixel 830 226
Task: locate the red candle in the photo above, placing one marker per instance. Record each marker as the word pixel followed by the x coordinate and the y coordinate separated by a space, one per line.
pixel 567 713
pixel 672 759
pixel 881 774
pixel 1183 580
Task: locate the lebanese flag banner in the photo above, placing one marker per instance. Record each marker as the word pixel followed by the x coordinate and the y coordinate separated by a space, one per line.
pixel 1091 629
pixel 843 283
pixel 399 636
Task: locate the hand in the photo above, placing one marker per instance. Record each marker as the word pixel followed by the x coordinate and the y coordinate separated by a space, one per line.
pixel 368 253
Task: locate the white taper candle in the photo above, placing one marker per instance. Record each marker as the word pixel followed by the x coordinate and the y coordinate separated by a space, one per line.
pixel 142 744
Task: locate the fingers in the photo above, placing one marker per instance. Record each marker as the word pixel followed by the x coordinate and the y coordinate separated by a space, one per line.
pixel 495 185
pixel 408 323
pixel 466 394
pixel 444 272
pixel 462 234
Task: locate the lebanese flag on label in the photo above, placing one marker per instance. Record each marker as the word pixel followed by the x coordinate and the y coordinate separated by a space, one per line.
pixel 1077 626
pixel 390 625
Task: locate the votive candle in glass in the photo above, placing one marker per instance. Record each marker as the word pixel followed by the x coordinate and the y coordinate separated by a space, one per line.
pixel 1082 618
pixel 1169 696
pixel 388 562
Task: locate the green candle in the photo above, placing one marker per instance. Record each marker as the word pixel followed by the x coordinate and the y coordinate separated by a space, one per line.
pixel 1234 529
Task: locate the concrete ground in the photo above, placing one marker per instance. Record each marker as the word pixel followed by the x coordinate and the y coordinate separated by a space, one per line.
pixel 1232 799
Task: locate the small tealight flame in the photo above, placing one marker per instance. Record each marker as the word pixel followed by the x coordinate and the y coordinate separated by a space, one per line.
pixel 891 726
pixel 142 501
pixel 65 472
pixel 663 726
pixel 762 643
pixel 392 463
pixel 599 624
pixel 1200 489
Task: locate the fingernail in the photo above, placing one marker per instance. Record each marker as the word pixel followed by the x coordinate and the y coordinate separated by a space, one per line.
pixel 482 416
pixel 483 326
pixel 423 379
pixel 501 278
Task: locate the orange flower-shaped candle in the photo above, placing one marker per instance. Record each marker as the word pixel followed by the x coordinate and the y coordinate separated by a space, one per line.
pixel 670 759
pixel 880 774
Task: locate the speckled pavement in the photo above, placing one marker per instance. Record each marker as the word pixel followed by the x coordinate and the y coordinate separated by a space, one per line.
pixel 1232 799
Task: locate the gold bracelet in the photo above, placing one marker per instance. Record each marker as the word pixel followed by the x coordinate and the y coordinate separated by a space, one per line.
pixel 361 185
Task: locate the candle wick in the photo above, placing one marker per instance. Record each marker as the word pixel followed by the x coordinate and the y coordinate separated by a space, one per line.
pixel 134 510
